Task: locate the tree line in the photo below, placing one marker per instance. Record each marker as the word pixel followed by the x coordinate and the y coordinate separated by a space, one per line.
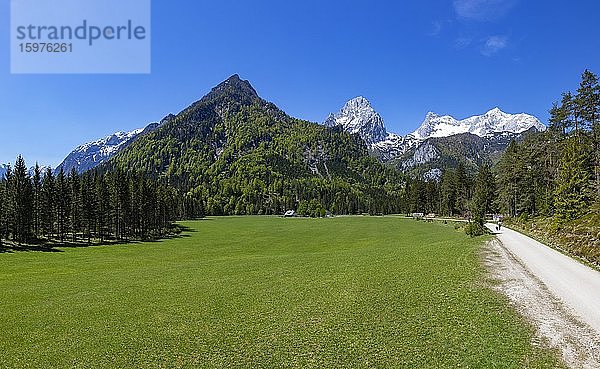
pixel 48 208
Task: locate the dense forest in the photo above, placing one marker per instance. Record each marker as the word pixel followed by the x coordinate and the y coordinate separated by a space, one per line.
pixel 556 173
pixel 550 183
pixel 48 209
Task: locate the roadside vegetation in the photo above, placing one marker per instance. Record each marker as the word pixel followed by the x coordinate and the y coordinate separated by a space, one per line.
pixel 550 183
pixel 580 237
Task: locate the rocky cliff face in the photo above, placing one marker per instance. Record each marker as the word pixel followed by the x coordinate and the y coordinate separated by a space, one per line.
pixel 358 116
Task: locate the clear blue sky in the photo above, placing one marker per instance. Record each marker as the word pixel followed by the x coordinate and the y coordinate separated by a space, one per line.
pixel 459 57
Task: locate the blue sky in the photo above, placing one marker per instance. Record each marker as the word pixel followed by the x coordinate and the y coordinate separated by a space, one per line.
pixel 458 57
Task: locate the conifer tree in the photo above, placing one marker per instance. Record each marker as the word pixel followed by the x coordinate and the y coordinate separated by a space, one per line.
pixel 484 194
pixel 448 193
pixel 22 202
pixel 462 188
pixel 568 105
pixel 559 119
pixel 37 199
pixel 88 206
pixel 8 203
pixel 588 97
pixel 508 175
pixel 572 195
pixel 103 210
pixel 62 204
pixel 1 210
pixel 48 201
pixel 75 211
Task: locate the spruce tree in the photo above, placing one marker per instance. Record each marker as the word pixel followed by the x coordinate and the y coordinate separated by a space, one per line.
pixel 48 204
pixel 88 206
pixel 588 97
pixel 37 200
pixel 484 194
pixel 448 193
pixel 461 183
pixel 572 194
pixel 559 119
pixel 567 104
pixel 1 211
pixel 62 204
pixel 22 202
pixel 9 215
pixel 508 171
pixel 75 211
pixel 103 210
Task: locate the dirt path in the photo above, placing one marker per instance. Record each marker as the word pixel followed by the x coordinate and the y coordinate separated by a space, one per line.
pixel 560 296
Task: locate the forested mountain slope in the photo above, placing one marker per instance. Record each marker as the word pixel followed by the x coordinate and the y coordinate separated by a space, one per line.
pixel 235 153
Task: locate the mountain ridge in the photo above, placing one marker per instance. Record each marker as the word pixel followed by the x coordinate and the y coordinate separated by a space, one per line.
pixel 92 154
pixel 490 133
pixel 357 116
pixel 491 122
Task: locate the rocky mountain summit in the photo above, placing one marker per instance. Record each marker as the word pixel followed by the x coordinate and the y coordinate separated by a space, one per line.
pixel 490 133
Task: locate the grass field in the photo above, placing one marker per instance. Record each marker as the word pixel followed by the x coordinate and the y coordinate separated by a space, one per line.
pixel 260 292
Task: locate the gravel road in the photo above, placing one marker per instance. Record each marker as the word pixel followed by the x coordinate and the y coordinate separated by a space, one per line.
pixel 555 292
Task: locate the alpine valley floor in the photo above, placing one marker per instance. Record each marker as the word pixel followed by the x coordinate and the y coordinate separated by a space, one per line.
pixel 244 292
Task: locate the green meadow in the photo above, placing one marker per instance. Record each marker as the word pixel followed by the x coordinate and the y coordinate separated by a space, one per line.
pixel 264 292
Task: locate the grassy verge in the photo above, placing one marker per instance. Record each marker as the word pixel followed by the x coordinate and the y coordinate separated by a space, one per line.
pixel 579 238
pixel 356 292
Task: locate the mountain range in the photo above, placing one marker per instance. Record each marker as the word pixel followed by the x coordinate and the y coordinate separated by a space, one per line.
pixel 31 171
pixel 92 154
pixel 439 142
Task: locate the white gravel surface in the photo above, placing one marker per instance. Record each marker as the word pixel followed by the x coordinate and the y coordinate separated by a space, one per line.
pixel 559 295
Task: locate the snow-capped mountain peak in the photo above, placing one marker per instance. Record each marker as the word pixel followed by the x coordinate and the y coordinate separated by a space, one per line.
pixel 493 121
pixel 3 170
pixel 94 153
pixel 358 116
pixel 110 144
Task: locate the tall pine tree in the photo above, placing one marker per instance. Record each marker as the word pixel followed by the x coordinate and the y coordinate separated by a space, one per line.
pixel 37 199
pixel 48 204
pixel 22 202
pixel 588 98
pixel 572 195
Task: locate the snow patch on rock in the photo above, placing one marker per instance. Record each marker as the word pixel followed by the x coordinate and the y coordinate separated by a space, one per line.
pixel 492 122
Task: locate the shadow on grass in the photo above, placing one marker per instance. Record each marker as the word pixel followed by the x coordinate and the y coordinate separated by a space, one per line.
pixel 11 248
pixel 178 231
